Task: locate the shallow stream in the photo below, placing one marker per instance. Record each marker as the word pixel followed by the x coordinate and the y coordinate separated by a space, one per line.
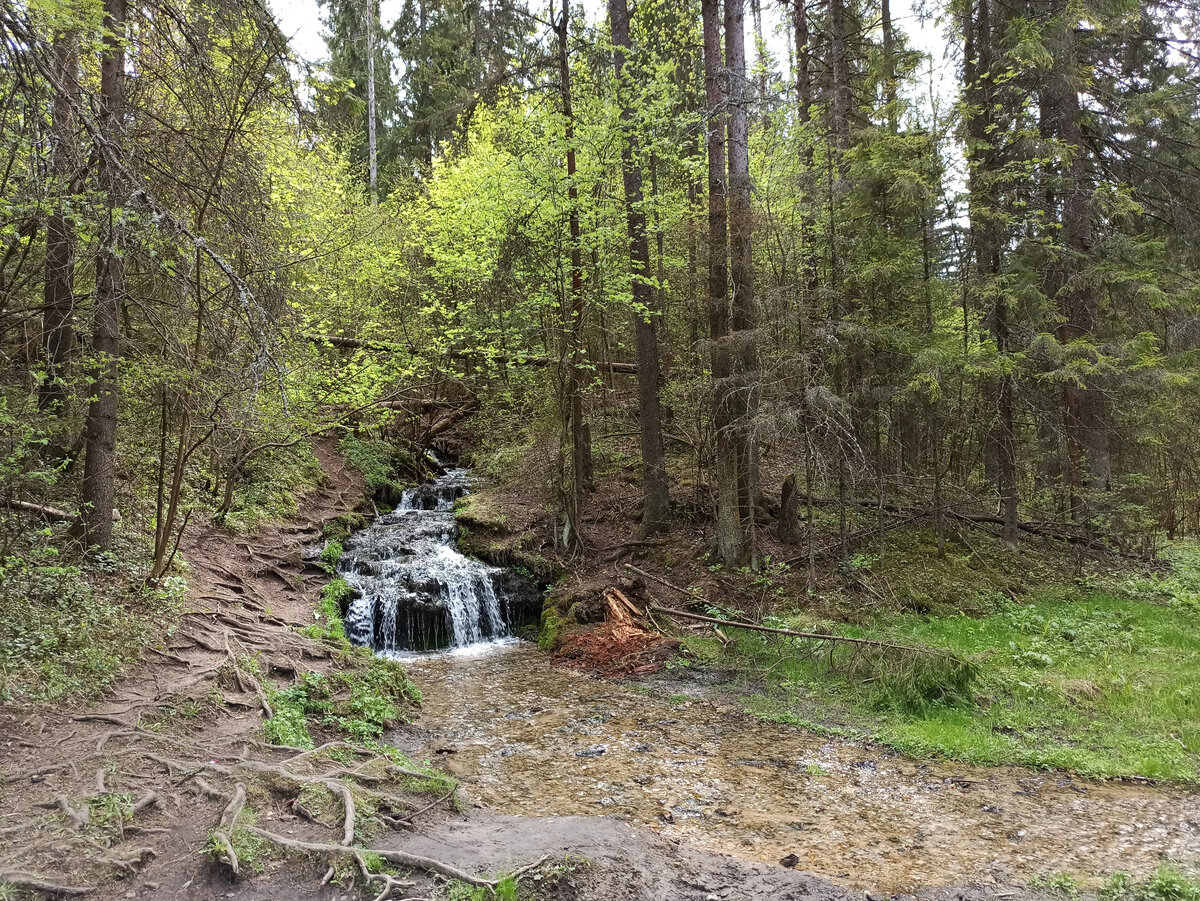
pixel 530 738
pixel 526 737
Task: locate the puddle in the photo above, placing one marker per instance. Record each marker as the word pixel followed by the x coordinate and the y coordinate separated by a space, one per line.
pixel 529 738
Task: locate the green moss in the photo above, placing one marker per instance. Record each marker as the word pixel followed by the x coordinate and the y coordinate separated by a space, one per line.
pixel 342 527
pixel 552 625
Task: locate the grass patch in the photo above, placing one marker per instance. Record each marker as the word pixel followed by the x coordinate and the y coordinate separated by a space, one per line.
pixel 1102 680
pixel 1169 883
pixel 358 704
pixel 328 625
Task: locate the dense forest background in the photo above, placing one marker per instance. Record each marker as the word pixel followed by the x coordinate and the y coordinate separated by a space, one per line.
pixel 807 294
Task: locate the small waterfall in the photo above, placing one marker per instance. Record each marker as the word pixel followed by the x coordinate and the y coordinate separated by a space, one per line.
pixel 414 591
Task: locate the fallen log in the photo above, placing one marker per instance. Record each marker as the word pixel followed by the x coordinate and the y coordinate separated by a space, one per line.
pixel 51 513
pixel 501 359
pixel 818 636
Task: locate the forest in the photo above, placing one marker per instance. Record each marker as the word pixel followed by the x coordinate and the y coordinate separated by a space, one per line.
pixel 842 356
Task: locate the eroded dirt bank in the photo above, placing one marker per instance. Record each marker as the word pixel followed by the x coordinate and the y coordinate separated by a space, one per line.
pixel 529 738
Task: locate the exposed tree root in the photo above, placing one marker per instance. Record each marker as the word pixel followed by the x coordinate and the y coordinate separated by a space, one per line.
pixel 79 818
pixel 400 858
pixel 34 883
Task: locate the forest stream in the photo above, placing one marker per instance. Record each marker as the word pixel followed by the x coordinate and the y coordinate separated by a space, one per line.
pixel 528 737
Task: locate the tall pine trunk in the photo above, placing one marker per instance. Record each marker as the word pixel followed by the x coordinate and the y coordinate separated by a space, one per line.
pixel 1084 418
pixel 729 543
pixel 981 95
pixel 58 310
pixel 655 497
pixel 744 331
pixel 581 445
pixel 99 473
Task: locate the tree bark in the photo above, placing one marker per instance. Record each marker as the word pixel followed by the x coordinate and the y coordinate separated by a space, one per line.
pixel 580 447
pixel 729 543
pixel 99 473
pixel 1078 304
pixel 889 64
pixel 979 78
pixel 744 331
pixel 655 493
pixel 789 511
pixel 840 73
pixel 58 311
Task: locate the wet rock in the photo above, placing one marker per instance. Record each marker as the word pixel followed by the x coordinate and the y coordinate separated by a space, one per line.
pixel 790 861
pixel 592 752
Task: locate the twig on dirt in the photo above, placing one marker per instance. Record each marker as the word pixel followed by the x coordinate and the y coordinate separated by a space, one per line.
pixel 429 807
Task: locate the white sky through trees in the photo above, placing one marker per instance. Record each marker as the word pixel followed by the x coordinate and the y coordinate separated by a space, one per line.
pixel 301 21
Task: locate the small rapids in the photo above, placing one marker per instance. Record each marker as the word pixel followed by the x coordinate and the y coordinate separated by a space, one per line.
pixel 414 591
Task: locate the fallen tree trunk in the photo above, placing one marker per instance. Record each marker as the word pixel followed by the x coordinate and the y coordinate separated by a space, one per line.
pixel 51 513
pixel 501 359
pixel 818 636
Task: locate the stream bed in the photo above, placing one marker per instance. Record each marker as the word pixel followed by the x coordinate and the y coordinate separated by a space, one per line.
pixel 527 737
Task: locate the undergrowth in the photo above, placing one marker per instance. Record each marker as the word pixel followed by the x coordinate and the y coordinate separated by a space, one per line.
pixel 328 625
pixel 67 630
pixel 1098 676
pixel 270 489
pixel 384 467
pixel 358 704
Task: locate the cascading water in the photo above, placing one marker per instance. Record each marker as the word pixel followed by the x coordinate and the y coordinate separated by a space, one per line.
pixel 414 591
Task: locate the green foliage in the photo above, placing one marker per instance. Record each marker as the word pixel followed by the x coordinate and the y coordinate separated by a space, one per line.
pixel 331 554
pixel 375 459
pixel 357 703
pixel 271 486
pixel 329 625
pixel 67 632
pixel 506 890
pixel 1058 885
pixel 1169 883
